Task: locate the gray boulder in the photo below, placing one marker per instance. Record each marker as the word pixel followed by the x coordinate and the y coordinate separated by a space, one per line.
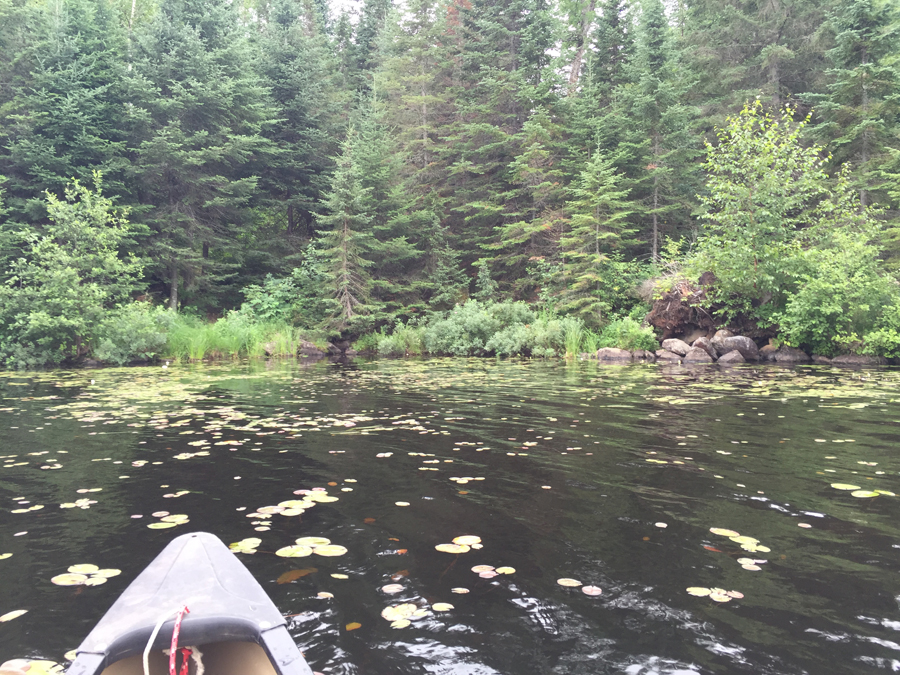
pixel 693 335
pixel 787 354
pixel 744 345
pixel 666 355
pixel 859 360
pixel 677 346
pixel 823 360
pixel 767 353
pixel 705 344
pixel 309 348
pixel 718 338
pixel 643 355
pixel 698 355
pixel 732 357
pixel 613 354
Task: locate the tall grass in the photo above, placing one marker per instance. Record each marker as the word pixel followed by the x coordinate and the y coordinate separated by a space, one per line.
pixel 233 336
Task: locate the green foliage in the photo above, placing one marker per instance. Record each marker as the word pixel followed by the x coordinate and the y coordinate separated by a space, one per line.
pixel 626 333
pixel 134 332
pixel 55 298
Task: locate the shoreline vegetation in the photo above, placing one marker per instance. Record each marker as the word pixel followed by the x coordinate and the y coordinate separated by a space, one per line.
pixel 190 180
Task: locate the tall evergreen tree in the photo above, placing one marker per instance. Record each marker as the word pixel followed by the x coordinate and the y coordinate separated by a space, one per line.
pixel 347 238
pixel 860 114
pixel 197 116
pixel 597 227
pixel 64 118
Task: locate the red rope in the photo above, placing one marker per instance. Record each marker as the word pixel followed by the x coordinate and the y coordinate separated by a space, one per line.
pixel 185 659
pixel 173 647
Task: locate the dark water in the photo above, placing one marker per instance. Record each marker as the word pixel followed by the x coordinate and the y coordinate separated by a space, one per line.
pixel 739 450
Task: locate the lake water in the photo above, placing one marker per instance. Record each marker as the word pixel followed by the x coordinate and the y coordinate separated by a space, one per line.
pixel 611 476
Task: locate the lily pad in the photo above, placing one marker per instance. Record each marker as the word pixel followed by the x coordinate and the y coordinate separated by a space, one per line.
pixel 312 542
pixel 452 548
pixel 94 581
pixel 329 550
pixel 478 569
pixel 467 540
pixel 4 556
pixel 723 532
pixel 107 573
pixel 15 614
pixel 295 551
pixel 862 494
pixel 83 569
pixel 442 607
pixel 69 579
pixel 161 526
pixel 699 591
pixel 571 583
pixel 400 623
pixel 505 570
pixel 844 486
pixel 392 588
pixel 459 590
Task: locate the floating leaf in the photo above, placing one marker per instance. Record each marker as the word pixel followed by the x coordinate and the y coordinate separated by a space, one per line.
pixel 392 588
pixel 338 575
pixel 69 579
pixel 565 581
pixel 329 550
pixel 312 542
pixel 591 590
pixel 324 595
pixel 401 503
pixel 744 540
pixel 862 494
pixel 467 540
pixel 295 551
pixel 505 570
pixel 752 567
pixel 15 614
pixel 94 581
pixel 723 532
pixel 844 486
pixel 293 575
pixel 478 569
pixel 245 545
pixel 107 573
pixel 4 556
pixel 161 526
pixel 83 569
pixel 177 518
pixel 459 590
pixel 400 623
pixel 699 591
pixel 452 548
pixel 353 626
pixel 442 607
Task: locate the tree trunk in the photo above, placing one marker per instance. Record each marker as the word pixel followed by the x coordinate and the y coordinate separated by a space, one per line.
pixel 173 286
pixel 587 20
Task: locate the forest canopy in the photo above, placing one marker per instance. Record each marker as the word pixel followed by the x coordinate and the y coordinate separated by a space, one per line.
pixel 365 171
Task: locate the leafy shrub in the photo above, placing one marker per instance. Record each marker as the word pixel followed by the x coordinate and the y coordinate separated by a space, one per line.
pixel 628 334
pixel 514 340
pixel 135 331
pixel 464 331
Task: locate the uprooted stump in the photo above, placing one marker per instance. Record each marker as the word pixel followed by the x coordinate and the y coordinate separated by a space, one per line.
pixel 678 312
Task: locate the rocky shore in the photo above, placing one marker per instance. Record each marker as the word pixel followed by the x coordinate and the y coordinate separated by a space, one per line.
pixel 726 348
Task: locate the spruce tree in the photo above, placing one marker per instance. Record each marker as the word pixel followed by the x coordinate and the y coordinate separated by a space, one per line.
pixel 197 118
pixel 859 116
pixel 597 228
pixel 346 237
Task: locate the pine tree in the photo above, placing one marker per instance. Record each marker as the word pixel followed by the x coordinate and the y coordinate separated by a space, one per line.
pixel 298 67
pixel 533 211
pixel 860 114
pixel 347 238
pixel 597 227
pixel 64 119
pixel 654 145
pixel 197 118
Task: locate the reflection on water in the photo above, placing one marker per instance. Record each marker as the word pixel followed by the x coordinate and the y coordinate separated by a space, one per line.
pixel 612 476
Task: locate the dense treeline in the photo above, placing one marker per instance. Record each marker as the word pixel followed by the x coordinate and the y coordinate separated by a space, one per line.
pixel 348 174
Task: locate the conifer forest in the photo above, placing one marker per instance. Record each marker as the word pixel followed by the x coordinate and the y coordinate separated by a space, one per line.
pixel 192 178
